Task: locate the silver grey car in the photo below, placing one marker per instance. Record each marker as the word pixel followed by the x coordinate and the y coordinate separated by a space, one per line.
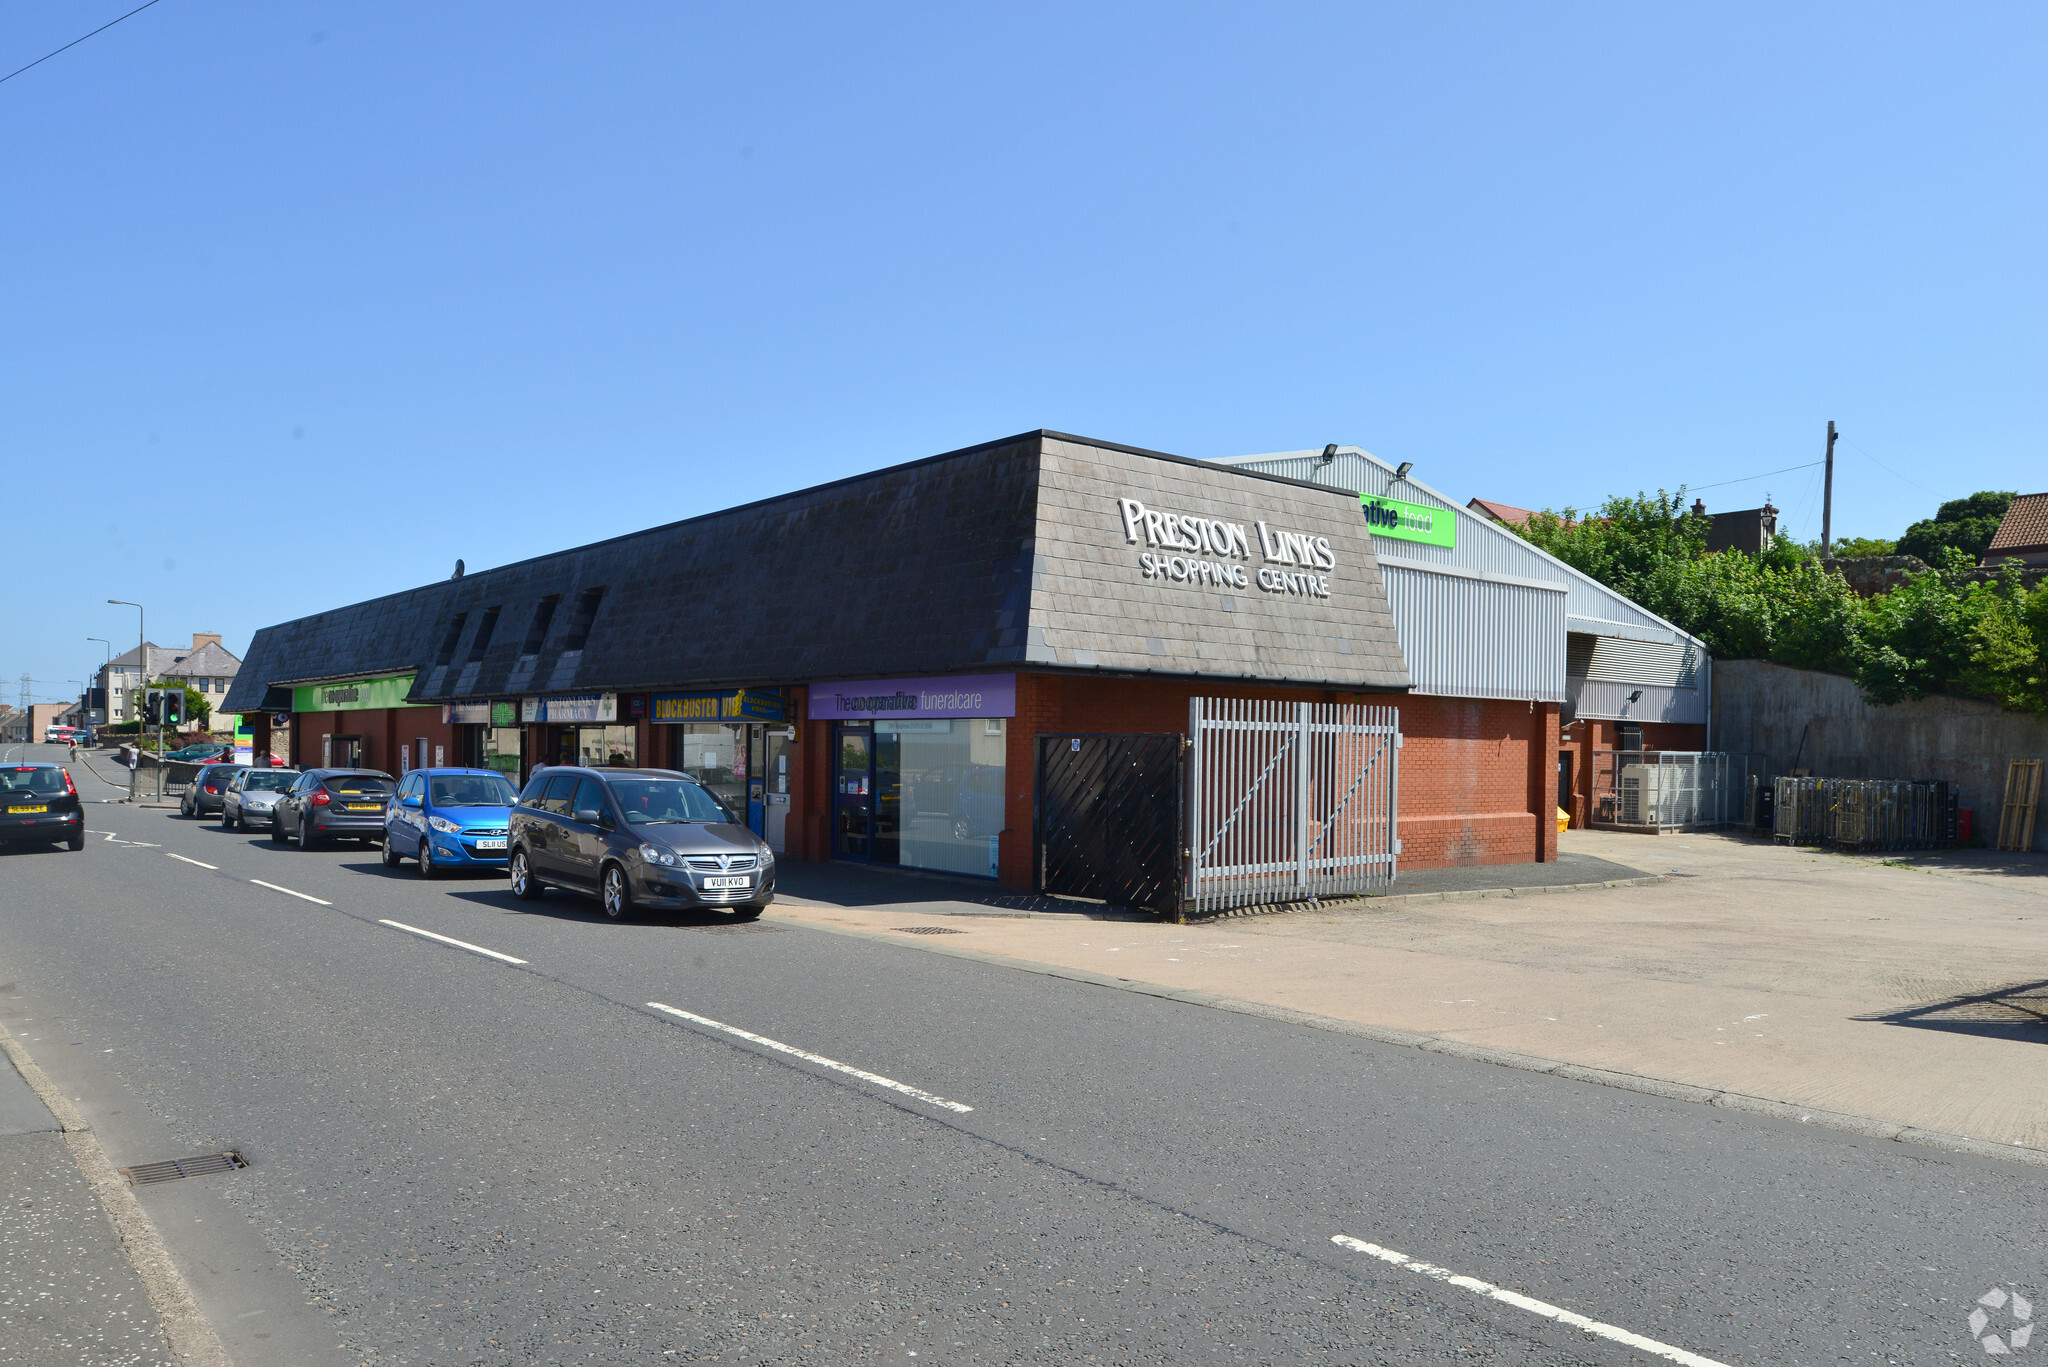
pixel 246 806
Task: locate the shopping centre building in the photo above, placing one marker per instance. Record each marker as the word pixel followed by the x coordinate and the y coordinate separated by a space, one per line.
pixel 864 668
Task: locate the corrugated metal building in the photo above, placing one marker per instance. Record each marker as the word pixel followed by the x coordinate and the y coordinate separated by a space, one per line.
pixel 1492 616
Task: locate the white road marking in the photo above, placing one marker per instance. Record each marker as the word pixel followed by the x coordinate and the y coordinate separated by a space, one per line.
pixel 447 940
pixel 181 858
pixel 1533 1306
pixel 288 892
pixel 818 1059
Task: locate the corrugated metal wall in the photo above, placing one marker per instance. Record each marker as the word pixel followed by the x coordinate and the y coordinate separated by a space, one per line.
pixel 1471 638
pixel 1617 660
pixel 1467 627
pixel 1600 698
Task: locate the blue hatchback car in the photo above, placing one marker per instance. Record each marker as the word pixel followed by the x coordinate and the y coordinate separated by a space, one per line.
pixel 449 819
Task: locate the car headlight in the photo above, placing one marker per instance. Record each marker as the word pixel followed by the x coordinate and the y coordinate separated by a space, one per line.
pixel 767 856
pixel 444 825
pixel 655 854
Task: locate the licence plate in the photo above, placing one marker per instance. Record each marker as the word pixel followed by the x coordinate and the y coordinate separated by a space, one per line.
pixel 490 844
pixel 365 807
pixel 733 881
pixel 25 811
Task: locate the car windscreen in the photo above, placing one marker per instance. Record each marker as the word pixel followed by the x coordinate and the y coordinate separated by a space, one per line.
pixel 359 785
pixel 665 801
pixel 41 782
pixel 472 790
pixel 268 780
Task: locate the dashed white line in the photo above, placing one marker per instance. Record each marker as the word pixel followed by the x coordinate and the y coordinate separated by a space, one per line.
pixel 1533 1306
pixel 181 858
pixel 289 893
pixel 818 1059
pixel 450 940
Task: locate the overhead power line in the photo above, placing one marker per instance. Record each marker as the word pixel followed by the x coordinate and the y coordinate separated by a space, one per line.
pixel 76 41
pixel 1888 470
pixel 1719 484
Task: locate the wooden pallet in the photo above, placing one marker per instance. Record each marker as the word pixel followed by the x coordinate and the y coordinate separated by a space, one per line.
pixel 2022 803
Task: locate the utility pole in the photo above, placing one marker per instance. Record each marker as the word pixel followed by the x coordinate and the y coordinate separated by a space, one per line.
pixel 1827 498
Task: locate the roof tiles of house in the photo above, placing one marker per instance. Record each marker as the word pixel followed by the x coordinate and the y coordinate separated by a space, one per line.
pixel 1501 512
pixel 2024 527
pixel 993 556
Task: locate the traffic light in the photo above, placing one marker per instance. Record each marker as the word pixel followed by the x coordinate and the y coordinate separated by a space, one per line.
pixel 174 707
pixel 153 707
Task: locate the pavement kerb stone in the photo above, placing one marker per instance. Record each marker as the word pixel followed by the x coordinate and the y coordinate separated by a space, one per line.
pixel 1375 901
pixel 1867 1126
pixel 189 1335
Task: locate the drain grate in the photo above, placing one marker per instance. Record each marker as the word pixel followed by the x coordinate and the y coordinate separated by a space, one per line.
pixel 177 1169
pixel 928 930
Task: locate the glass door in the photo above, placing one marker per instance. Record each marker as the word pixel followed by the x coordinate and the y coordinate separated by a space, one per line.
pixel 756 774
pixel 852 792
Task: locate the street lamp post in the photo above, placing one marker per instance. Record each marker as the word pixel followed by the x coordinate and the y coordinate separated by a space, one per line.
pixel 106 678
pixel 142 672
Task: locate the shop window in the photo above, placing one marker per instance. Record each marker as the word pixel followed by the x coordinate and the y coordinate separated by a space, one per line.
pixel 586 612
pixel 601 746
pixel 948 796
pixel 543 617
pixel 484 631
pixel 446 654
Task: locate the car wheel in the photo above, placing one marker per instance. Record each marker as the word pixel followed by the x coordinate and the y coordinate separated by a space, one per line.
pixel 427 869
pixel 77 840
pixel 228 820
pixel 525 886
pixel 185 805
pixel 745 912
pixel 276 828
pixel 305 835
pixel 618 896
pixel 390 854
pixel 961 830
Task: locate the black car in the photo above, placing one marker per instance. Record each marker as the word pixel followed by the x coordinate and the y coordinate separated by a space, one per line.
pixel 208 790
pixel 325 803
pixel 637 838
pixel 39 806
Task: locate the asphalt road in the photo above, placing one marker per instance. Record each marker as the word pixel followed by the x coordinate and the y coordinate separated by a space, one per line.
pixel 457 1159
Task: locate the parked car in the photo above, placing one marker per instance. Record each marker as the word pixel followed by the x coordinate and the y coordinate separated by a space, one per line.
pixel 207 792
pixel 58 735
pixel 325 803
pixel 636 838
pixel 206 752
pixel 978 804
pixel 251 795
pixel 450 818
pixel 39 806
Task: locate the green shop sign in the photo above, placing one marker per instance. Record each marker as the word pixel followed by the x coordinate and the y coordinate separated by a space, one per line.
pixel 1409 521
pixel 356 695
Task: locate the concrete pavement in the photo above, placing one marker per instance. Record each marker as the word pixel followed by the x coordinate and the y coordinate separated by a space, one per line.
pixel 1904 992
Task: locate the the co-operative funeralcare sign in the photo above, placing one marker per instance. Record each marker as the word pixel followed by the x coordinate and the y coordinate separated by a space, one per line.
pixel 571 707
pixel 964 695
pixel 1409 521
pixel 1204 551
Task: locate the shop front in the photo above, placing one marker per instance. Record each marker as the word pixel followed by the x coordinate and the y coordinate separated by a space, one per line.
pixel 735 742
pixel 487 735
pixel 363 723
pixel 918 770
pixel 583 729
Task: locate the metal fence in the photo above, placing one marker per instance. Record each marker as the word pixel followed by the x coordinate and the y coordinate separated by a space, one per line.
pixel 1289 800
pixel 1675 790
pixel 1864 813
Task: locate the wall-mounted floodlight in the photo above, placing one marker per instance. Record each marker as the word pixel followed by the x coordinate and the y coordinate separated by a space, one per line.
pixel 1635 696
pixel 1401 470
pixel 1329 453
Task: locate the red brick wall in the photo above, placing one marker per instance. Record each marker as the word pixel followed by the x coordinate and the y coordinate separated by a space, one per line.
pixel 1478 778
pixel 383 730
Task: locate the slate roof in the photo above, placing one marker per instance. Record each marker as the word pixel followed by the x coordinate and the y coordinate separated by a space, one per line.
pixel 957 563
pixel 211 660
pixel 2024 527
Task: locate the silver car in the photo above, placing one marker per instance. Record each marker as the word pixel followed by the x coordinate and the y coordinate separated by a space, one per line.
pixel 246 804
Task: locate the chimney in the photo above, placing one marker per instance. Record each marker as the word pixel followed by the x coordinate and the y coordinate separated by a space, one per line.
pixel 1699 508
pixel 202 639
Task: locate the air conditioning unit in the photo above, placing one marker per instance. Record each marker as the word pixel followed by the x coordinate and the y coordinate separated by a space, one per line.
pixel 1639 794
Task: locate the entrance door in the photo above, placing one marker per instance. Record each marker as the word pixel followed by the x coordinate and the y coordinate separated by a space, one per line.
pixel 756 775
pixel 346 752
pixel 1564 782
pixel 853 793
pixel 1109 819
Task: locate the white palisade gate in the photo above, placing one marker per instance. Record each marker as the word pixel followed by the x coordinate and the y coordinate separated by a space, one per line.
pixel 1289 800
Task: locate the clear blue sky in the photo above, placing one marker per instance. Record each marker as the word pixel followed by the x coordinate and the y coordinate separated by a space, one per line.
pixel 375 286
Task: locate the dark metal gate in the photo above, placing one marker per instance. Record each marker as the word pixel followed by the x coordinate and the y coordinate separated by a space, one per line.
pixel 1109 818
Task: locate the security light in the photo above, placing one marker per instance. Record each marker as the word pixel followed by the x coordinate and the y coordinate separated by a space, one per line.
pixel 1329 453
pixel 1635 695
pixel 1401 470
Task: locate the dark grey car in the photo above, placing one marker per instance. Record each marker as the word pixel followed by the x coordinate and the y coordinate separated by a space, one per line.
pixel 208 788
pixel 325 803
pixel 246 804
pixel 637 839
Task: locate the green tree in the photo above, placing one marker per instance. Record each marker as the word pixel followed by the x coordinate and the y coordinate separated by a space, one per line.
pixel 1858 547
pixel 1626 541
pixel 1966 524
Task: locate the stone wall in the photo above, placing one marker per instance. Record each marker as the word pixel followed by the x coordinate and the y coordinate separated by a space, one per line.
pixel 1765 707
